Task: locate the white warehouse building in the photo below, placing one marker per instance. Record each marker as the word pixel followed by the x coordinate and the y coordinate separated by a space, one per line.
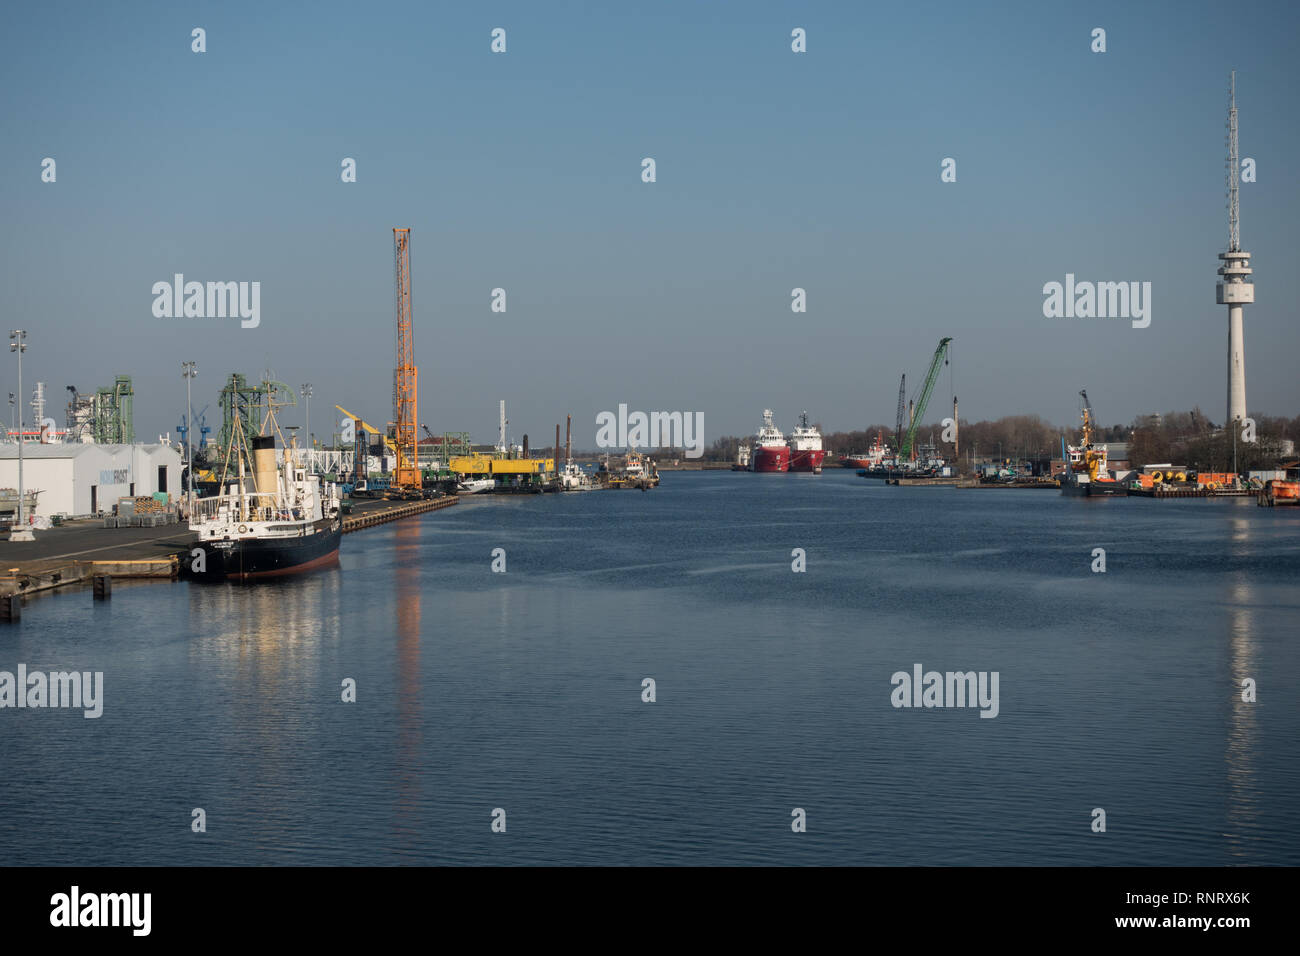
pixel 86 479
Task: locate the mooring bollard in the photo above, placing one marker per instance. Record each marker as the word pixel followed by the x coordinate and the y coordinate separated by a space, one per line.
pixel 11 607
pixel 103 587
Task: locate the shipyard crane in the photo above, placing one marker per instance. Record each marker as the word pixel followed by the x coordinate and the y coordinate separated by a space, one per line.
pixel 405 376
pixel 1088 456
pixel 908 450
pixel 1088 418
pixel 902 410
pixel 388 442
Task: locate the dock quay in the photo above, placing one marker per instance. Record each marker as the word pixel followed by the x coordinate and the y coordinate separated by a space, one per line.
pixel 1014 485
pixel 370 513
pixel 924 482
pixel 1169 493
pixel 83 549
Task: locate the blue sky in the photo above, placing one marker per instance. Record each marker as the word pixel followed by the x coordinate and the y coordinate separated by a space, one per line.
pixel 522 171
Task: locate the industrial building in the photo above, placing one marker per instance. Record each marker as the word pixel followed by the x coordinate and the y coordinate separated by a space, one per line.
pixel 86 479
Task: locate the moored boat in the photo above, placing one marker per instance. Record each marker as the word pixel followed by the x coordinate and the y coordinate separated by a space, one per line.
pixel 770 451
pixel 806 452
pixel 285 521
pixel 874 457
pixel 475 486
pixel 1087 474
pixel 573 478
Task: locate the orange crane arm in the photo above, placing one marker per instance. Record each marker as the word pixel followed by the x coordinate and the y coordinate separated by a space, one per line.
pixel 405 374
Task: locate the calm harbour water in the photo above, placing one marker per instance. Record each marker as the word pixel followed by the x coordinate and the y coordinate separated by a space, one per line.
pixel 522 690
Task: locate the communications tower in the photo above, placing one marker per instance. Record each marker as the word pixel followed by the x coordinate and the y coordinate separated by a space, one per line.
pixel 1235 289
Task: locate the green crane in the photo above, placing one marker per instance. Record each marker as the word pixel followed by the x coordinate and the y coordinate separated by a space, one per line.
pixel 908 450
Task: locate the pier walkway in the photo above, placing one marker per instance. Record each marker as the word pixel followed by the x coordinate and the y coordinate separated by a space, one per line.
pixel 82 549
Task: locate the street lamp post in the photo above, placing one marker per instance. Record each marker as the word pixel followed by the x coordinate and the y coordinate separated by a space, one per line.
pixel 306 392
pixel 21 530
pixel 189 370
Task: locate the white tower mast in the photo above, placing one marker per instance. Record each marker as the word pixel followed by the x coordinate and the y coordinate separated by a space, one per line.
pixel 1235 290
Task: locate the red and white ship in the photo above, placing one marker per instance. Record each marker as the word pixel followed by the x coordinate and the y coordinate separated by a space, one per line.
pixel 806 453
pixel 874 458
pixel 770 452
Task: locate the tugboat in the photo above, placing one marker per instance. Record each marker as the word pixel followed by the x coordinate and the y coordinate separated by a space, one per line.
pixel 742 459
pixel 283 522
pixel 770 453
pixel 573 478
pixel 638 471
pixel 806 453
pixel 873 458
pixel 1086 473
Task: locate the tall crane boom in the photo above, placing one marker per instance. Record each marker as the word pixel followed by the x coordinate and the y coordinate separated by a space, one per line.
pixel 902 411
pixel 1089 419
pixel 404 375
pixel 908 451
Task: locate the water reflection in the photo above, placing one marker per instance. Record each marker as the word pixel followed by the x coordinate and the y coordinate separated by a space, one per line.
pixel 263 640
pixel 1243 798
pixel 410 757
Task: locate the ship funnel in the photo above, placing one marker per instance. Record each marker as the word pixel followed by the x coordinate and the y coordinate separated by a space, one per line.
pixel 264 470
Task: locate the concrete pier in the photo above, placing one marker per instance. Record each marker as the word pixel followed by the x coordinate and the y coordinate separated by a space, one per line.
pixel 83 549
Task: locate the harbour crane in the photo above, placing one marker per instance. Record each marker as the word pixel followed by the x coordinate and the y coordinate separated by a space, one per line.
pixel 405 376
pixel 1088 418
pixel 907 452
pixel 388 442
pixel 1092 460
pixel 902 410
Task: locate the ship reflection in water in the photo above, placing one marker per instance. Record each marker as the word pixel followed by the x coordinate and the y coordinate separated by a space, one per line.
pixel 261 649
pixel 407 559
pixel 1242 730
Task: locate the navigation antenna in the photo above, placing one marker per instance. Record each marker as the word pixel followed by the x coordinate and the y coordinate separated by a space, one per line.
pixel 1234 167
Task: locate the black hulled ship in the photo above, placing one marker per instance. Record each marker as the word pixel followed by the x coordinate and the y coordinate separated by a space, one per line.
pixel 280 520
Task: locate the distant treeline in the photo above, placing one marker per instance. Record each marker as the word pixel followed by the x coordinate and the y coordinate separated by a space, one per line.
pixel 1187 438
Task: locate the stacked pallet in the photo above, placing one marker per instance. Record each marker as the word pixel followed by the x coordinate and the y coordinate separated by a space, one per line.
pixel 143 512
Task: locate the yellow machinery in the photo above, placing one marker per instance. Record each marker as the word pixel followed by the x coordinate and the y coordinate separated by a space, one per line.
pixel 1093 460
pixel 483 465
pixel 388 442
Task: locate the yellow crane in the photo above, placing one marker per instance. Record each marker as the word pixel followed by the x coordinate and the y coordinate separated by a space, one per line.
pixel 388 442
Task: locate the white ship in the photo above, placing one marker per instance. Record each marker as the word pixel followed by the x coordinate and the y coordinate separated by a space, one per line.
pixel 475 486
pixel 573 478
pixel 279 520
